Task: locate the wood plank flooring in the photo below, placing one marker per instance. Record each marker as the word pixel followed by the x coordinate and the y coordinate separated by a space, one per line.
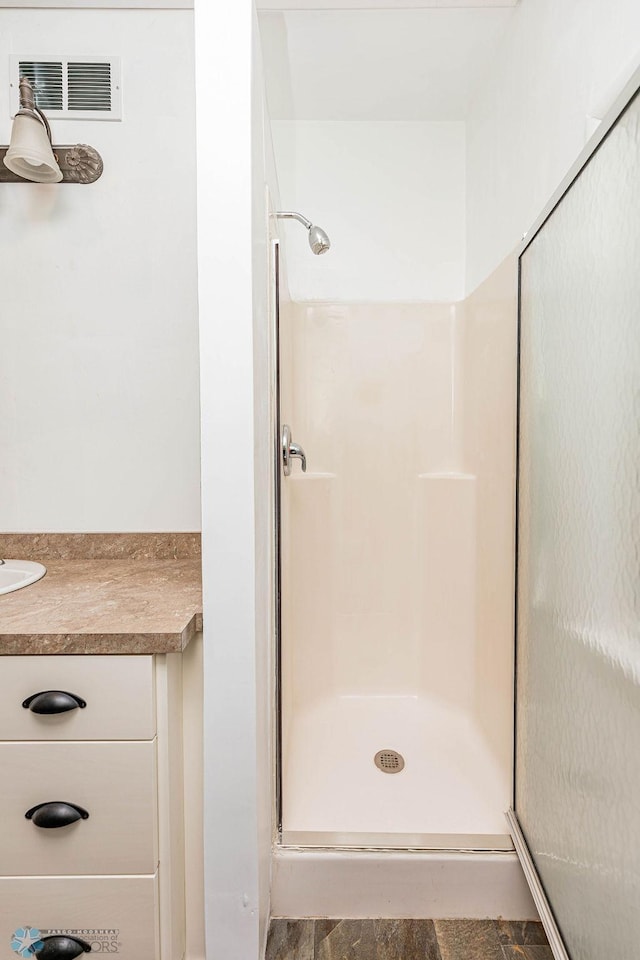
pixel 406 940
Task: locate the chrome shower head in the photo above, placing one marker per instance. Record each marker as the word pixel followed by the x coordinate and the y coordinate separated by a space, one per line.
pixel 318 240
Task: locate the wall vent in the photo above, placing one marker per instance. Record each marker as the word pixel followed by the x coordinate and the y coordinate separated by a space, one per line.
pixel 71 88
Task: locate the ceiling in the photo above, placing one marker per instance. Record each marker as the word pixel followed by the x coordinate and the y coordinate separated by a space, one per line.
pixel 419 64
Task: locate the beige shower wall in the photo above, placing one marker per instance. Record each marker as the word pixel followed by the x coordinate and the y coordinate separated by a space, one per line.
pixel 397 542
pixel 490 377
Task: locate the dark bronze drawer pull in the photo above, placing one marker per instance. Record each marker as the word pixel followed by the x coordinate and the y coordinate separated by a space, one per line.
pixel 55 813
pixel 53 701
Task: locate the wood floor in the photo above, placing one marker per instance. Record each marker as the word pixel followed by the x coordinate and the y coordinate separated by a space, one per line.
pixel 406 940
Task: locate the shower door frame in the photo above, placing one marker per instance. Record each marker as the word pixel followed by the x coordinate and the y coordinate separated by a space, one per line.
pixel 622 101
pixel 277 537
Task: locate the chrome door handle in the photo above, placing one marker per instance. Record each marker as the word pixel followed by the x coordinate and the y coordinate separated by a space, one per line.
pixel 291 450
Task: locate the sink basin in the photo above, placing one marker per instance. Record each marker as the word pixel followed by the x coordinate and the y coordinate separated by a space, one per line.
pixel 19 573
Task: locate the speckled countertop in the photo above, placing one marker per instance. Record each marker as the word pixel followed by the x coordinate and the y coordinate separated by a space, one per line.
pixel 103 606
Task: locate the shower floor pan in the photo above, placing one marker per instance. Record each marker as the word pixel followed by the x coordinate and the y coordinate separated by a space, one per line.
pixel 450 794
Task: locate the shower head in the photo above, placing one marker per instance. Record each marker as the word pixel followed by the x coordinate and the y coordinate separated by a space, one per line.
pixel 318 240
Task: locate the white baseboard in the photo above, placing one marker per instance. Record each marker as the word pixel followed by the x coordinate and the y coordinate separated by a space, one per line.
pixel 433 885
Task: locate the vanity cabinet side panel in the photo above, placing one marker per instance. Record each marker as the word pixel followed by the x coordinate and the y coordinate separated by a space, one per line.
pixel 170 805
pixel 193 695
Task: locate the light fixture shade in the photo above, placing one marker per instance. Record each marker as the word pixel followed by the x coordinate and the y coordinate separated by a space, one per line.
pixel 30 155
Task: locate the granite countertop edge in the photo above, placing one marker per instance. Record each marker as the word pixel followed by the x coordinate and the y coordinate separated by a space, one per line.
pixel 125 590
pixel 48 644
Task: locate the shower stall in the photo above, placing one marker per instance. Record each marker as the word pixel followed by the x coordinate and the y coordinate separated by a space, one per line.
pixel 395 540
pixel 396 530
pixel 395 474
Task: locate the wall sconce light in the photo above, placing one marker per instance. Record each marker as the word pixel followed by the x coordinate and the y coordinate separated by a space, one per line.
pixel 31 157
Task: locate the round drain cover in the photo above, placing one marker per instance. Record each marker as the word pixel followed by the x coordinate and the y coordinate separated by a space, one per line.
pixel 389 761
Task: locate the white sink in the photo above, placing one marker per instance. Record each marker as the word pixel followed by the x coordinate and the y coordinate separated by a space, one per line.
pixel 19 573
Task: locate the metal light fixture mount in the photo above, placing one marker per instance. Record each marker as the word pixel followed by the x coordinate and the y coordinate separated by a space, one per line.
pixel 31 156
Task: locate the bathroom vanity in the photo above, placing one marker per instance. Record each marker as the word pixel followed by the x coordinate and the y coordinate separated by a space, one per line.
pixel 100 813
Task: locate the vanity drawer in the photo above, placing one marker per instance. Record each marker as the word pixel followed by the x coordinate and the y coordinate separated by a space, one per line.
pixel 115 915
pixel 115 783
pixel 118 692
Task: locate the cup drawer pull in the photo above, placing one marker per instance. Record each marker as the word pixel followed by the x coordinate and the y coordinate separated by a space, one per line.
pixel 53 701
pixel 61 948
pixel 56 813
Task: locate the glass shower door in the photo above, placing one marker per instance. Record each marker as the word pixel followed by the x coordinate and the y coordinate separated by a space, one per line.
pixel 577 795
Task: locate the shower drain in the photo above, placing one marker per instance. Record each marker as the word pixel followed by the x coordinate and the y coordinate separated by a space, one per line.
pixel 389 761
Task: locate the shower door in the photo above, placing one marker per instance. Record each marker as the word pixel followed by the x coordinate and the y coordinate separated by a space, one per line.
pixel 577 784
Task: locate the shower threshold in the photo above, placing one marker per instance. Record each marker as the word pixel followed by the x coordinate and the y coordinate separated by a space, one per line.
pixel 454 842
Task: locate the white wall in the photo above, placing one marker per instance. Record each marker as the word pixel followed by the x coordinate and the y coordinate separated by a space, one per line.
pixel 391 196
pixel 368 110
pixel 524 82
pixel 99 414
pixel 237 500
pixel 393 64
pixel 559 62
